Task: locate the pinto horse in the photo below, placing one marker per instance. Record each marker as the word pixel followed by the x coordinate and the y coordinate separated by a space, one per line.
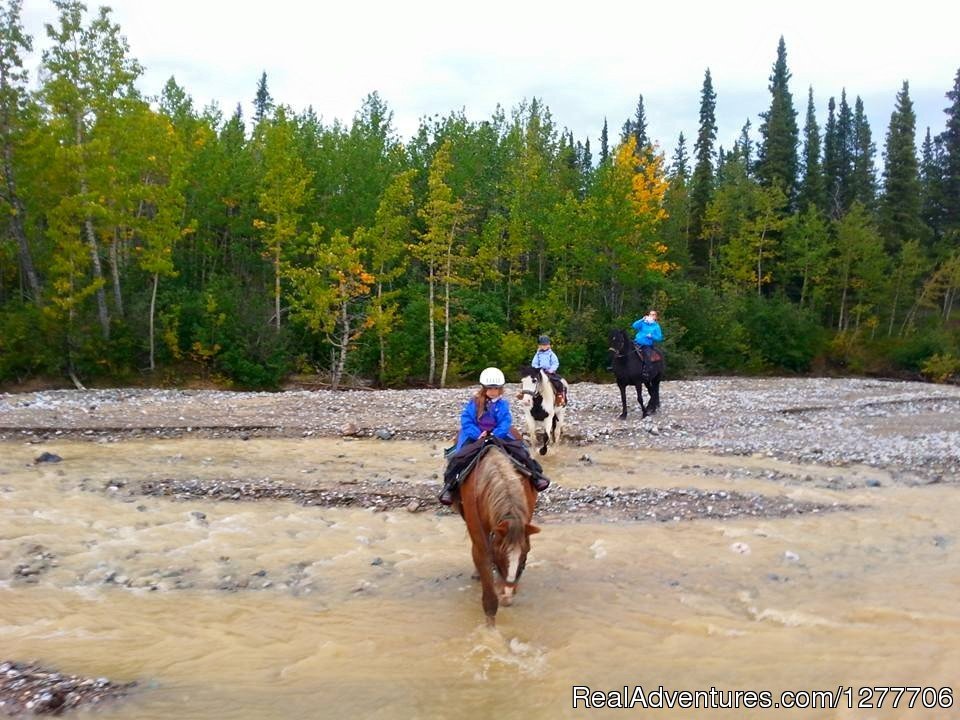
pixel 539 400
pixel 496 502
pixel 631 369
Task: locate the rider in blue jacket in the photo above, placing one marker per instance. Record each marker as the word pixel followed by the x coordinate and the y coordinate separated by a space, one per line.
pixel 487 414
pixel 648 332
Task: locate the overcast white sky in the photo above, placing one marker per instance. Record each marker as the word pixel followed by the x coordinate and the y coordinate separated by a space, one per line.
pixel 586 61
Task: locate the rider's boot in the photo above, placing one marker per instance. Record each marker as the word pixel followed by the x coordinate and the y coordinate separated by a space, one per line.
pixel 540 482
pixel 450 484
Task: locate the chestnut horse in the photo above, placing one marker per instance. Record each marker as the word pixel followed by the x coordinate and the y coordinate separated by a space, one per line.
pixel 496 502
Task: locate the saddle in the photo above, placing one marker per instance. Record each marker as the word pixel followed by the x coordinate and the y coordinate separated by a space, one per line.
pixel 466 463
pixel 652 354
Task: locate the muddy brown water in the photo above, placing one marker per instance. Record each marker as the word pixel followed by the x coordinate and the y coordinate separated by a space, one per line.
pixel 271 609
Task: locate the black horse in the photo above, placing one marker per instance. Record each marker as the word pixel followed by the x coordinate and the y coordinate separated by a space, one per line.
pixel 631 369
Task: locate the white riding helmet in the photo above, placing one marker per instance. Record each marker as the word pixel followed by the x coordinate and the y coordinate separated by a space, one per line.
pixel 492 377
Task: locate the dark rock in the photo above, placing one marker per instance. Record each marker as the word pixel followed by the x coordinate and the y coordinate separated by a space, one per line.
pixel 47 457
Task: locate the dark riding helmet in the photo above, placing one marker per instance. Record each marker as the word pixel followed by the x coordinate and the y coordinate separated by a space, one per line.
pixel 543 340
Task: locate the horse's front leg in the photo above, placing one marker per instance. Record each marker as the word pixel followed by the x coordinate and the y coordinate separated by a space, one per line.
pixel 557 425
pixel 484 564
pixel 547 432
pixel 623 401
pixel 531 427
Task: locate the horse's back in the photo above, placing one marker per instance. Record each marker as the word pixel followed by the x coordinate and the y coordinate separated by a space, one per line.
pixel 498 487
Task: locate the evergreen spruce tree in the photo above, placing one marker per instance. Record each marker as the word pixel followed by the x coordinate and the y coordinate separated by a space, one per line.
pixel 812 190
pixel 680 163
pixel 743 148
pixel 830 168
pixel 931 186
pixel 262 102
pixel 950 141
pixel 838 157
pixel 586 157
pixel 701 184
pixel 604 144
pixel 845 153
pixel 863 180
pixel 637 127
pixel 777 156
pixel 900 205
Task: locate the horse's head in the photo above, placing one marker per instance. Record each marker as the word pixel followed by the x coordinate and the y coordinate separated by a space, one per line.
pixel 529 385
pixel 511 543
pixel 617 341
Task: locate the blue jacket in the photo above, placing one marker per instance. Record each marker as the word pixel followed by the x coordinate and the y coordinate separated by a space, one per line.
pixel 470 427
pixel 546 359
pixel 648 333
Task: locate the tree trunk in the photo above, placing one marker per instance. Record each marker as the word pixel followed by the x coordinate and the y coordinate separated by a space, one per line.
pixel 446 325
pixel 896 299
pixel 276 286
pixel 153 307
pixel 18 231
pixel 102 312
pixel 344 344
pixel 115 274
pixel 433 341
pixel 803 283
pixel 843 306
pixel 380 336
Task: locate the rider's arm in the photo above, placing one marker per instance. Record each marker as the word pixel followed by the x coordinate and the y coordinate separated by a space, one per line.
pixel 501 411
pixel 656 333
pixel 553 363
pixel 469 427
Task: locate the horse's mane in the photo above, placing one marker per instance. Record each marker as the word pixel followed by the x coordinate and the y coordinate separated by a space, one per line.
pixel 529 370
pixel 499 482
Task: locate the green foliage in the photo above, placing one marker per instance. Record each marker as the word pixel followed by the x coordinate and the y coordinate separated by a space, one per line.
pixel 777 162
pixel 453 251
pixel 226 332
pixel 941 368
pixel 781 335
pixel 712 334
pixel 914 352
pixel 25 347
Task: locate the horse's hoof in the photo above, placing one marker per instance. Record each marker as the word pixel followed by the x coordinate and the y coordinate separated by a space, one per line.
pixel 623 417
pixel 543 451
pixel 491 621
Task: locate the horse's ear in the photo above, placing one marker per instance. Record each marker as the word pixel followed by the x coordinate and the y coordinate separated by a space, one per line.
pixel 501 529
pixel 532 529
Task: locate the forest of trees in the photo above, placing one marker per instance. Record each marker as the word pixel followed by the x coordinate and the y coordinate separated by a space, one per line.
pixel 148 241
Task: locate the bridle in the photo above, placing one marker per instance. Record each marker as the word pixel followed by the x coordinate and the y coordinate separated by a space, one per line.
pixel 536 387
pixel 618 351
pixel 621 352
